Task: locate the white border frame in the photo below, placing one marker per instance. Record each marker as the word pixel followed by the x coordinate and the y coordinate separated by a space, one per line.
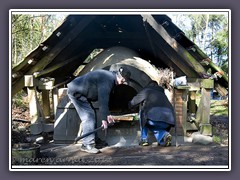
pixel 118 12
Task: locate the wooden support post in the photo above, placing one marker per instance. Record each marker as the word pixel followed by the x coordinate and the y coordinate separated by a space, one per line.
pixel 30 82
pixel 33 109
pixel 205 106
pixel 180 99
pixel 203 112
pixel 36 113
pixel 46 104
pixel 46 84
pixel 184 110
pixel 55 100
pixel 192 102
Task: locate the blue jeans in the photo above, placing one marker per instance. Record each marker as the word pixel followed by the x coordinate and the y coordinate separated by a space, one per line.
pixel 87 116
pixel 157 127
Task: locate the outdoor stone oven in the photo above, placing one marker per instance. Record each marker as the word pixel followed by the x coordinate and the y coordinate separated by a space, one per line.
pixel 67 123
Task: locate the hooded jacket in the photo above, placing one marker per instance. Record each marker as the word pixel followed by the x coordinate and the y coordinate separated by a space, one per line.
pixel 154 105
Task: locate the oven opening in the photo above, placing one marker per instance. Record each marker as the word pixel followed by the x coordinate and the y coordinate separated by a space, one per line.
pixel 119 98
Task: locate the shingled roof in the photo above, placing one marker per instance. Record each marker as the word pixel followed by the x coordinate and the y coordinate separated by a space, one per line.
pixel 154 37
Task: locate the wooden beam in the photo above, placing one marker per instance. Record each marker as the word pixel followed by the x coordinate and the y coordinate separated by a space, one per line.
pixel 176 59
pixel 41 64
pixel 211 64
pixel 61 45
pixel 197 83
pixel 55 67
pixel 116 35
pixel 220 89
pixel 29 60
pixel 186 56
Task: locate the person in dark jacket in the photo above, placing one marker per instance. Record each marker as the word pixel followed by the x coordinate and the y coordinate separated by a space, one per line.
pixel 95 86
pixel 156 114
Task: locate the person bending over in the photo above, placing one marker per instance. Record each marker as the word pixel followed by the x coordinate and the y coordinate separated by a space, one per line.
pixel 94 86
pixel 156 114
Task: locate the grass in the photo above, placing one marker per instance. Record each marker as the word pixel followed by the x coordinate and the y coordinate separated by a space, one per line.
pixel 217 139
pixel 20 100
pixel 219 108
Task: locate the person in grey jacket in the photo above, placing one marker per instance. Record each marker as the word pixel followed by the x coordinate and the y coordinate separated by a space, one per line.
pixel 94 86
pixel 156 114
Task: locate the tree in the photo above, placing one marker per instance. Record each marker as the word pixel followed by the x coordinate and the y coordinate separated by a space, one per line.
pixel 209 32
pixel 219 43
pixel 29 30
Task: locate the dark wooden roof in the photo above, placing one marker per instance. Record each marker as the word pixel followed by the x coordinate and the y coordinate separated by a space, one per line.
pixel 155 38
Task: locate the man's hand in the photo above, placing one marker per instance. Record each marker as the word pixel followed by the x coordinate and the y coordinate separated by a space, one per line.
pixel 110 120
pixel 104 124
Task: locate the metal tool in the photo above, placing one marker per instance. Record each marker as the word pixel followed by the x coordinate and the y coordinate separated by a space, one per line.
pixel 127 117
pixel 87 134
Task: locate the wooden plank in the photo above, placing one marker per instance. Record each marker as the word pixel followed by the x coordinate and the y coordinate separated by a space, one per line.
pixel 125 117
pixel 122 118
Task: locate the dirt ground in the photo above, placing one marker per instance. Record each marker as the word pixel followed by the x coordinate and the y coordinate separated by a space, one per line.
pixel 186 155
